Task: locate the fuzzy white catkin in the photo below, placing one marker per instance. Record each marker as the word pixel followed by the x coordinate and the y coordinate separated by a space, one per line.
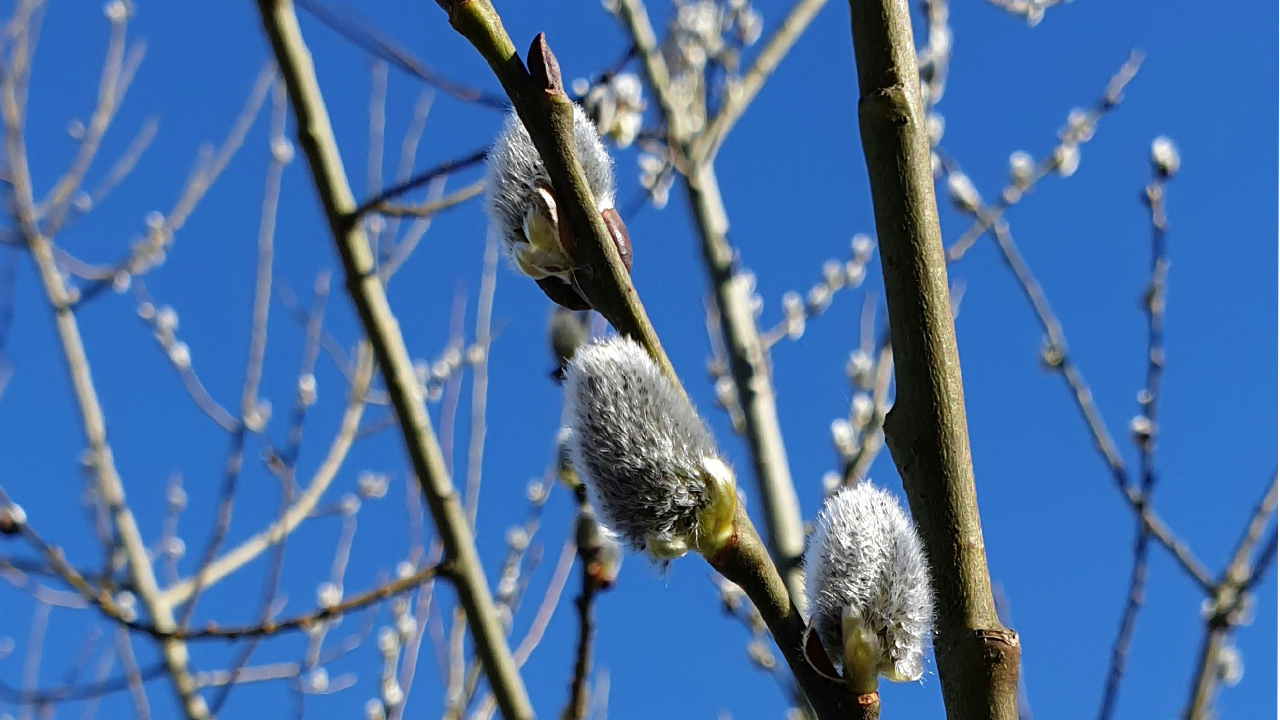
pixel 864 559
pixel 649 464
pixel 514 169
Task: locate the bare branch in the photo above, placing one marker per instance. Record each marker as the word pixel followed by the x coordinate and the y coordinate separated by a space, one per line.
pixel 744 90
pixel 318 144
pixel 362 34
pixel 1225 606
pixel 1145 431
pixel 744 346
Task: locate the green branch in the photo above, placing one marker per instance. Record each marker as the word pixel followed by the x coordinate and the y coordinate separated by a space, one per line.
pixel 926 430
pixel 315 136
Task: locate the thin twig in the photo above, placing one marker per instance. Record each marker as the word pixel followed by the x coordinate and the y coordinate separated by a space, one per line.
pixel 744 90
pixel 1227 604
pixel 433 207
pixel 579 698
pixel 445 168
pixel 109 486
pixel 1145 434
pixel 746 351
pixel 479 364
pixel 1108 101
pixel 362 34
pixel 242 554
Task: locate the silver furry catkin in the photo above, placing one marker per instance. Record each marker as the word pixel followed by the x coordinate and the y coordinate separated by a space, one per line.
pixel 649 464
pixel 521 204
pixel 870 602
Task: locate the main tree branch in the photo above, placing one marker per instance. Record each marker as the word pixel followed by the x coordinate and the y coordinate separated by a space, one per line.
pixel 926 430
pixel 316 138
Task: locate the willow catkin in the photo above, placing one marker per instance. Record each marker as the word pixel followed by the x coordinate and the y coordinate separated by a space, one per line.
pixel 649 464
pixel 868 585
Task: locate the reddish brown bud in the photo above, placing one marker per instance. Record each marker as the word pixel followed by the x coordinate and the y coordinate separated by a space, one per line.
pixel 543 66
pixel 621 238
pixel 562 293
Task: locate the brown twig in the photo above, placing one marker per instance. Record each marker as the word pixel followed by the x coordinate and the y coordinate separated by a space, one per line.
pixel 1056 358
pixel 1145 432
pixel 1108 101
pixel 444 168
pixel 106 479
pixel 433 207
pixel 362 34
pixel 589 545
pixel 1226 604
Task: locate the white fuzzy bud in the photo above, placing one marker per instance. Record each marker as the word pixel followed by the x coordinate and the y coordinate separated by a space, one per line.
pixel 1021 166
pixel 520 204
pixel 1067 159
pixel 12 518
pixel 282 150
pixel 392 695
pixel 860 409
pixel 406 626
pixel 372 485
pixel 349 505
pixel 868 585
pixel 650 466
pixel 962 192
pixel 833 274
pixel 388 642
pixel 328 595
pixel 818 299
pixel 861 247
pixel 842 436
pixel 317 680
pixel 166 319
pixel 1164 156
pixel 1230 666
pixel 860 369
pixel 854 272
pixel 934 126
pixel 180 355
pixel 307 390
pixel 173 548
pixel 128 605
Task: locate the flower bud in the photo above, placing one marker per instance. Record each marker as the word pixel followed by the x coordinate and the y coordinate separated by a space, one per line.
pixel 522 206
pixel 1164 157
pixel 870 603
pixel 649 464
pixel 567 331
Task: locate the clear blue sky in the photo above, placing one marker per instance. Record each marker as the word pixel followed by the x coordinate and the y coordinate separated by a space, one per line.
pixel 1057 533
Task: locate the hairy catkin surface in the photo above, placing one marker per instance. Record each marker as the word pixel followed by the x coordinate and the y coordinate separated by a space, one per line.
pixel 864 554
pixel 514 166
pixel 637 445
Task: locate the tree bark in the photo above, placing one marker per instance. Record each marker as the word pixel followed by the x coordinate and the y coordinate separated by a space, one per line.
pixel 926 430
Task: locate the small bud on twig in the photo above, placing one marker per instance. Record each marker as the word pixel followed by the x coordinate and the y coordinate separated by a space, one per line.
pixel 543 66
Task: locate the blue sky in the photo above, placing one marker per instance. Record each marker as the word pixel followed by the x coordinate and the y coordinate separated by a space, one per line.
pixel 793 180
